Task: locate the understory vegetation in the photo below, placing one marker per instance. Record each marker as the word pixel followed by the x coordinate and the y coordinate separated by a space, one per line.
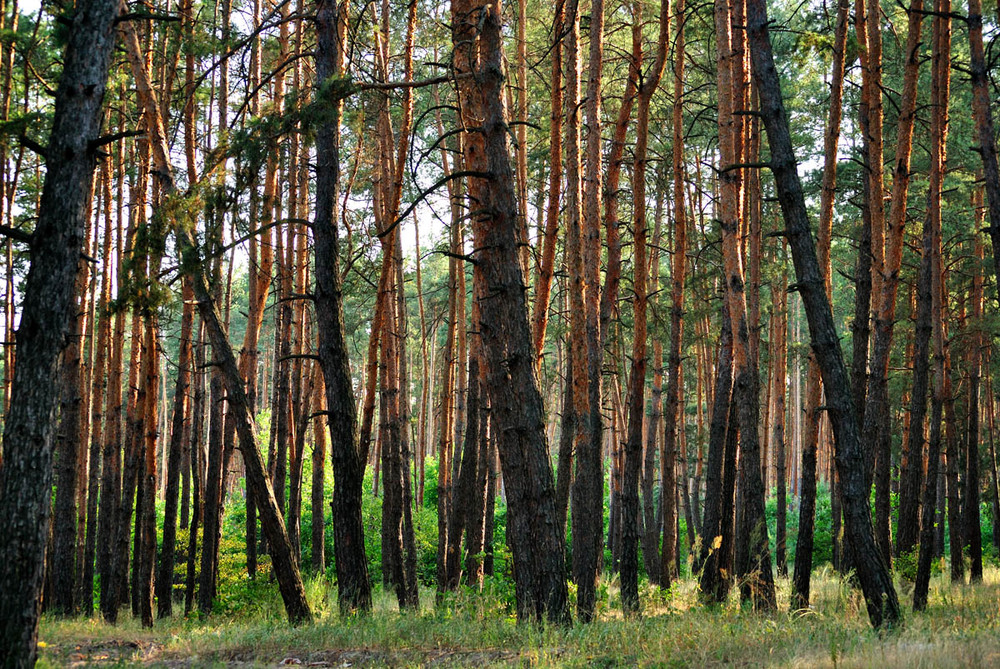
pixel 961 627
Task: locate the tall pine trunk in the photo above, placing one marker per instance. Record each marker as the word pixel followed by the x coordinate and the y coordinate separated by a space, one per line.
pixel 873 573
pixel 26 477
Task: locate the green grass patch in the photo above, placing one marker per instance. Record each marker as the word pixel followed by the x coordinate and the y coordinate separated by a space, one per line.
pixel 961 627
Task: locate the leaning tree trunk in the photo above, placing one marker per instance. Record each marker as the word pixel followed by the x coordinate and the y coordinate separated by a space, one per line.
pixel 872 571
pixel 814 387
pixel 181 414
pixel 713 582
pixel 285 568
pixel 26 477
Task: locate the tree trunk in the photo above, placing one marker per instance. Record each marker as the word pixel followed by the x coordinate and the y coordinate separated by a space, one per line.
pixel 537 545
pixel 320 432
pixel 637 375
pixel 546 266
pixel 880 595
pixel 779 297
pixel 714 584
pixel 285 568
pixel 588 486
pixel 987 148
pixel 26 476
pixel 165 575
pixel 197 465
pixel 347 459
pixel 972 531
pixel 674 411
pixel 941 45
pixel 752 528
pixel 69 456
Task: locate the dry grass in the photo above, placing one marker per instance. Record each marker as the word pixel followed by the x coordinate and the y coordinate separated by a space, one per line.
pixel 961 628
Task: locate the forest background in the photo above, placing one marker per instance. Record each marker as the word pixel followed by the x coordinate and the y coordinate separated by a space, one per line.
pixel 494 299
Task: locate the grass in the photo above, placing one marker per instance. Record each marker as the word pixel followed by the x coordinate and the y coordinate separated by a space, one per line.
pixel 961 627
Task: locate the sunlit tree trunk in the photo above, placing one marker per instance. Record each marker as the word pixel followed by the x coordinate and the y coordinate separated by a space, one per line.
pixel 752 528
pixel 637 374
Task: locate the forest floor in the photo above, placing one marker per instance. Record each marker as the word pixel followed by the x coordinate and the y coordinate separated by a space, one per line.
pixel 960 628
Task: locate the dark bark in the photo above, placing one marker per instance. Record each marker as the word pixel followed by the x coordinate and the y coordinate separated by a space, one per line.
pixel 713 521
pixel 348 461
pixel 872 571
pixel 165 575
pixel 318 527
pixel 908 526
pixel 801 575
pixel 987 148
pixel 212 497
pixel 564 458
pixel 465 487
pixel 147 516
pixel 102 342
pixel 674 410
pixel 972 532
pixel 111 472
pixel 994 488
pixel 955 543
pixel 475 532
pixel 927 511
pixel 68 460
pixel 118 581
pixel 285 569
pixel 861 325
pixel 197 467
pixel 780 300
pixel 26 476
pixel 515 401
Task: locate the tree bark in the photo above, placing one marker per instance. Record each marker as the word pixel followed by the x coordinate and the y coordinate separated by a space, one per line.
pixel 880 595
pixel 285 568
pixel 987 148
pixel 755 565
pixel 714 584
pixel 972 533
pixel 674 411
pixel 779 297
pixel 347 458
pixel 26 476
pixel 165 575
pixel 537 545
pixel 637 374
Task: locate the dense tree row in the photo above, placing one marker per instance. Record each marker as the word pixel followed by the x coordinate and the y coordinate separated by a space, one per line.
pixel 584 263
